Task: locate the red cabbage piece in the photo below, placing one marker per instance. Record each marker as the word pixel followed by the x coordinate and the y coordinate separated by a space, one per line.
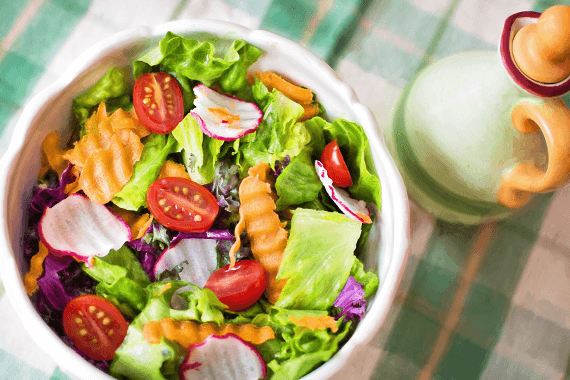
pixel 351 301
pixel 50 196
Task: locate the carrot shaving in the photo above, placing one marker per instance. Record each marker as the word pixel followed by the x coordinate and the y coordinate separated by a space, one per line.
pixel 264 229
pixel 36 270
pixel 172 169
pixel 300 95
pixel 187 333
pixel 321 322
pixel 105 156
pixel 309 111
pixel 138 223
pixel 224 114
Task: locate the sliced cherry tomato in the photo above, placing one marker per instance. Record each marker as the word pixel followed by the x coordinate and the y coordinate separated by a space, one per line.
pixel 158 102
pixel 239 287
pixel 95 325
pixel 182 204
pixel 334 164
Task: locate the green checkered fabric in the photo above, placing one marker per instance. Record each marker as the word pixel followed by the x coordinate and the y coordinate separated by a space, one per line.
pixel 476 302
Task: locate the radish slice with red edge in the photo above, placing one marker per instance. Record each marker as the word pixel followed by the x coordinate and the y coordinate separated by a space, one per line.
pixel 350 207
pixel 224 117
pixel 83 229
pixel 223 358
pixel 197 257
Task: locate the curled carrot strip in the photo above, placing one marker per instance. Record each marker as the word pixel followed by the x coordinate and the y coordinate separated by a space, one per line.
pixel 172 169
pixel 300 95
pixel 264 229
pixel 105 156
pixel 321 322
pixel 36 270
pixel 187 333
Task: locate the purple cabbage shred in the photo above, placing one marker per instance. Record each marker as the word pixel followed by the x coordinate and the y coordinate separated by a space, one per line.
pixel 281 165
pixel 50 196
pixel 351 301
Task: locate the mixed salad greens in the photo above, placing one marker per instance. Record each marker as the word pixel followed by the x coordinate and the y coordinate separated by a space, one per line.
pixel 205 223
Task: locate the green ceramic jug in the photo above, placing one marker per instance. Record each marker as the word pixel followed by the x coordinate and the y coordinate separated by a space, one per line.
pixel 475 136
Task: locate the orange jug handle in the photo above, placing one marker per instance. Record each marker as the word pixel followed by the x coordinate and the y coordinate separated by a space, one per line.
pixel 553 118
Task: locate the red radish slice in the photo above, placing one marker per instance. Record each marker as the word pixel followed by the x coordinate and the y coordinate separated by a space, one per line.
pixel 352 208
pixel 223 358
pixel 200 256
pixel 78 227
pixel 224 117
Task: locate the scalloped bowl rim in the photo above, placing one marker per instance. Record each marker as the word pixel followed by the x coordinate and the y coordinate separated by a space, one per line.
pixel 395 199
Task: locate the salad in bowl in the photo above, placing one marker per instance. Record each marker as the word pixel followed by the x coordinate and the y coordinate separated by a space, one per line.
pixel 205 212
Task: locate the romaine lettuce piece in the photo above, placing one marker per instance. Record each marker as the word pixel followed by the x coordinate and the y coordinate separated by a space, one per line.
pixel 200 152
pixel 318 259
pixel 155 151
pixel 298 183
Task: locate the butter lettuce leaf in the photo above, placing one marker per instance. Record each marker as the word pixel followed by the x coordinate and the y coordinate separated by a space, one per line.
pixel 155 151
pixel 199 61
pixel 299 182
pixel 318 259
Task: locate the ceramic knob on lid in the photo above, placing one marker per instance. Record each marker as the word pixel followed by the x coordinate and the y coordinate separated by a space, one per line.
pixel 542 50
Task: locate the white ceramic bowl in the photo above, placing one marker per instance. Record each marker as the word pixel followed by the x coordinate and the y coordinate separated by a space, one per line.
pixel 51 110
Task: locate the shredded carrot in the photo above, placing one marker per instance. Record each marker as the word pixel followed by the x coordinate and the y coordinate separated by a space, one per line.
pixel 300 95
pixel 224 114
pixel 36 270
pixel 321 322
pixel 52 155
pixel 172 169
pixel 138 223
pixel 187 333
pixel 310 110
pixel 264 229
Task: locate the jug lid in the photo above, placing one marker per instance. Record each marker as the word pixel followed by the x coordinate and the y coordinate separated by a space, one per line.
pixel 513 24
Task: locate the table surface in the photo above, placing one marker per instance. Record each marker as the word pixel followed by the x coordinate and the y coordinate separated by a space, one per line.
pixel 476 302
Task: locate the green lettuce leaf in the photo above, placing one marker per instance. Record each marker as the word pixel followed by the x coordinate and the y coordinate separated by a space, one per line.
pixel 299 182
pixel 155 151
pixel 121 280
pixel 135 359
pixel 356 152
pixel 200 152
pixel 296 350
pixel 112 88
pixel 368 280
pixel 317 259
pixel 198 61
pixel 278 135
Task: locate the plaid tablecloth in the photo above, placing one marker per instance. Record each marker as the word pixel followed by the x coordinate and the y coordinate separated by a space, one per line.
pixel 476 302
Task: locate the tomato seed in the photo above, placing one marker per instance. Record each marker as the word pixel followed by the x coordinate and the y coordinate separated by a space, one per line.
pixel 106 321
pixel 166 87
pixel 153 106
pixel 80 313
pixel 162 202
pixel 94 340
pixel 82 332
pixel 167 208
pixel 176 188
pixel 146 101
pixel 110 332
pixel 184 190
pixel 179 216
pixel 167 79
pixel 147 89
pixel 91 309
pixel 197 218
pixel 78 321
pixel 197 197
pixel 100 314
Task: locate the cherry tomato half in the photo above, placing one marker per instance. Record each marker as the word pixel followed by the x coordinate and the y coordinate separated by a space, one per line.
pixel 158 102
pixel 182 204
pixel 334 164
pixel 95 325
pixel 239 287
